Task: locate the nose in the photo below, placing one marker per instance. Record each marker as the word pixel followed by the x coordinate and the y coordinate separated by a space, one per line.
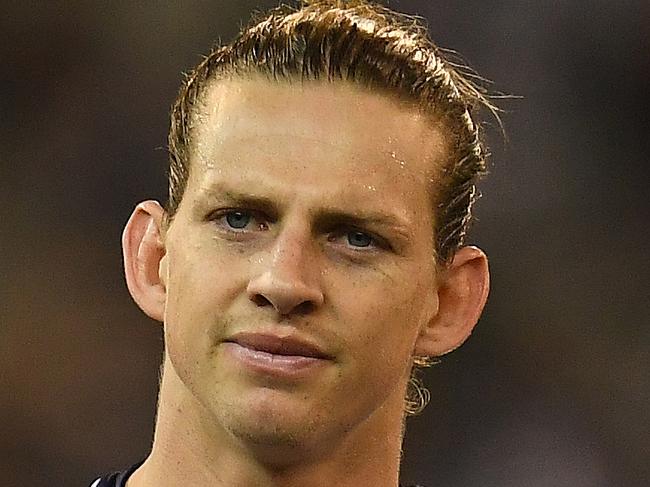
pixel 286 281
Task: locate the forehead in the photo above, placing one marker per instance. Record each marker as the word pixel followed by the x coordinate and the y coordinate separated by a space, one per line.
pixel 340 114
pixel 319 143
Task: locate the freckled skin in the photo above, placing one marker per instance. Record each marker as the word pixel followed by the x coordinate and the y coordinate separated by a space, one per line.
pixel 307 149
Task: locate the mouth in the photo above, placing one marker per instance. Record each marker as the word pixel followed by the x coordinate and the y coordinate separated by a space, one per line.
pixel 276 356
pixel 276 345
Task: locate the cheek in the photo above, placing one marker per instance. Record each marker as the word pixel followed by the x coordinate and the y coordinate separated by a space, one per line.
pixel 197 294
pixel 205 279
pixel 201 281
pixel 384 320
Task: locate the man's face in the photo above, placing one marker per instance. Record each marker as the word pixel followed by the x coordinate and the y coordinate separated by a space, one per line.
pixel 299 267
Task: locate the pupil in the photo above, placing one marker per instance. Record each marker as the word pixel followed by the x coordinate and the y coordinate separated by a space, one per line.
pixel 237 219
pixel 359 239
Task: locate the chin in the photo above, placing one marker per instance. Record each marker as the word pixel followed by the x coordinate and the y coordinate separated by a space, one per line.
pixel 278 428
pixel 278 442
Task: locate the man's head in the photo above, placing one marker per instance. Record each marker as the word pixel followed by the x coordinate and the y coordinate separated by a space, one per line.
pixel 316 161
pixel 366 45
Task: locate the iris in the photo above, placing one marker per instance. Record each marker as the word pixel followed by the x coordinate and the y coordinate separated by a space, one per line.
pixel 359 239
pixel 238 219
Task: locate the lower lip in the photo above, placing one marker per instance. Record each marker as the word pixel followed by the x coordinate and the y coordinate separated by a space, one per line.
pixel 289 366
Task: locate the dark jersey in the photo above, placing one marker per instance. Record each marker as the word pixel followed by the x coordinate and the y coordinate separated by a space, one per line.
pixel 118 479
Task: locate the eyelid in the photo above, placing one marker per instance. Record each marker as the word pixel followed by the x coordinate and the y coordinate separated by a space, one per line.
pixel 224 211
pixel 378 242
pixel 256 215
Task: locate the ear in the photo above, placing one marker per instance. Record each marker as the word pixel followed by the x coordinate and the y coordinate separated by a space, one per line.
pixel 462 293
pixel 144 258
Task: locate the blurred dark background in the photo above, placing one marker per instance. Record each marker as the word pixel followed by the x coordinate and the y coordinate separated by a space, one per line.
pixel 551 390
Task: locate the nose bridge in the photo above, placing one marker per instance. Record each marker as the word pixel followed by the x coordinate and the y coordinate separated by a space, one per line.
pixel 287 279
pixel 290 250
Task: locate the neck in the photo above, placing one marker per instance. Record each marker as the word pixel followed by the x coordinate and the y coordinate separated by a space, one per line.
pixel 192 449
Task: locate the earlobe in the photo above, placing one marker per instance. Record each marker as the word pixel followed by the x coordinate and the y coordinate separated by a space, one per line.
pixel 144 256
pixel 462 294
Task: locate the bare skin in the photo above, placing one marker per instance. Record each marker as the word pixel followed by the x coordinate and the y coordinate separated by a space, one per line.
pixel 296 283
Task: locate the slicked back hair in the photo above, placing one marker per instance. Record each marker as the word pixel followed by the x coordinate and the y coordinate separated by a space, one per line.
pixel 371 46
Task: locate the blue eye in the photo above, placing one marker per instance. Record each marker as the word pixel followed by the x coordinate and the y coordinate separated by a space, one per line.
pixel 238 219
pixel 359 239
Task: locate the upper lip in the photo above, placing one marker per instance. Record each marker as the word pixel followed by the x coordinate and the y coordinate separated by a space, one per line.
pixel 278 345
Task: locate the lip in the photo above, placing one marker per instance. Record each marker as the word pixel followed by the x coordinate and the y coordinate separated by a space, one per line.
pixel 278 345
pixel 268 354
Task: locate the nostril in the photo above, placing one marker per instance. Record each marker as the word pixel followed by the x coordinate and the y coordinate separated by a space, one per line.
pixel 260 300
pixel 305 308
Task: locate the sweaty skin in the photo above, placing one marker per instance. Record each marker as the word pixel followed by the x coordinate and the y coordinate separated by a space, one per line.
pixel 307 217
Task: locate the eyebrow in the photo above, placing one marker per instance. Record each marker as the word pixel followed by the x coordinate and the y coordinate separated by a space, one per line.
pixel 323 216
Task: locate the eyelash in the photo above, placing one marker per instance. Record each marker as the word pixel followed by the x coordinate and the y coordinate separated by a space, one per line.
pixel 223 214
pixel 376 242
